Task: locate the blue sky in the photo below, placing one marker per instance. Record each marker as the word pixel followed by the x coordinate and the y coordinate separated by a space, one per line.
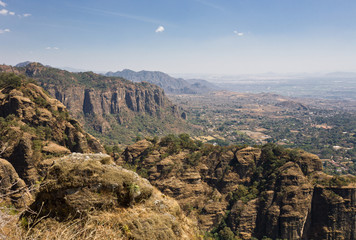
pixel 182 36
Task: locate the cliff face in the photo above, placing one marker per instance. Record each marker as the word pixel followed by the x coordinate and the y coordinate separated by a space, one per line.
pixel 255 192
pixel 123 103
pixel 333 213
pixel 109 105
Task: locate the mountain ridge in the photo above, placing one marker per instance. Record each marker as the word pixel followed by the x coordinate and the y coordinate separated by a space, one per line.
pixel 169 84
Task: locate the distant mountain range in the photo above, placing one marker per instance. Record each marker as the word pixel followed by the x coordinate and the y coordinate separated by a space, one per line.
pixel 169 84
pixel 333 85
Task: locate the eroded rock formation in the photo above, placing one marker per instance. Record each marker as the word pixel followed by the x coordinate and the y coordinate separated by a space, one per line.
pixel 273 192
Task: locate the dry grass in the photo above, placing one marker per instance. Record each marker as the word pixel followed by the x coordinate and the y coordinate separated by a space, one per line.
pixel 160 217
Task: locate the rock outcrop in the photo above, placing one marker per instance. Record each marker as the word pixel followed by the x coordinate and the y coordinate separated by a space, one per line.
pixel 90 186
pixel 333 213
pixel 77 183
pixel 273 192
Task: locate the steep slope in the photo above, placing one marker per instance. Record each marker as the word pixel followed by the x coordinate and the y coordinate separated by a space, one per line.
pixel 115 109
pixel 249 192
pixel 168 83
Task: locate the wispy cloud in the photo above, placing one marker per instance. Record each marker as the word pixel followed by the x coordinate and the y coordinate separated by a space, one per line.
pixel 240 34
pixel 4 12
pixel 52 48
pixel 160 29
pixel 4 30
pixel 209 4
pixel 123 15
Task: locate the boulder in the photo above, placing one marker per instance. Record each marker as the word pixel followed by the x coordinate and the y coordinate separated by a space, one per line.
pixel 79 183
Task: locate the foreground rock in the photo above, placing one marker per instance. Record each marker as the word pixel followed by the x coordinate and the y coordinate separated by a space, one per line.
pixel 91 187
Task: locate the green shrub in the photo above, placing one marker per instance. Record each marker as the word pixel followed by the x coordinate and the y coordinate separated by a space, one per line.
pixel 226 234
pixel 338 181
pixel 108 149
pixel 10 80
pixel 193 159
pixel 37 145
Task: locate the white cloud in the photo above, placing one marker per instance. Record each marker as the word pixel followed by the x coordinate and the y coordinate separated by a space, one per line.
pixel 4 30
pixel 56 48
pixel 48 48
pixel 159 29
pixel 240 34
pixel 27 15
pixel 4 12
pixel 2 4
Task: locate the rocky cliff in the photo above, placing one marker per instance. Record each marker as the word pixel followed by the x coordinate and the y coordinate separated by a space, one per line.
pixel 54 186
pixel 249 192
pixel 110 106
